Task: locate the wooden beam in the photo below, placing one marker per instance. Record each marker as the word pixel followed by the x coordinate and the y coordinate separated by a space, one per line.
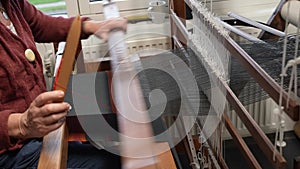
pixel 238 140
pixel 165 160
pixel 179 8
pixel 297 162
pixel 259 136
pixel 55 146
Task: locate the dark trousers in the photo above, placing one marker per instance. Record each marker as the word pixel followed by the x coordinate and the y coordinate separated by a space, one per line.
pixel 80 156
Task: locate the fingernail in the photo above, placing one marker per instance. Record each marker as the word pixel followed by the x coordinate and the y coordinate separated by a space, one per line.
pixel 70 108
pixel 61 93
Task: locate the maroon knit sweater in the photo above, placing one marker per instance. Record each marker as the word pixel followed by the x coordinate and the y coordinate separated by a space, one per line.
pixel 20 80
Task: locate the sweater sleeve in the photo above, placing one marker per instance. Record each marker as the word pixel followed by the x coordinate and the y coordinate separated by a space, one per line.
pixel 46 28
pixel 6 142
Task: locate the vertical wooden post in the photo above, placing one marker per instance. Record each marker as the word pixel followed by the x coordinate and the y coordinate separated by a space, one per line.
pixel 297 162
pixel 55 145
pixel 179 7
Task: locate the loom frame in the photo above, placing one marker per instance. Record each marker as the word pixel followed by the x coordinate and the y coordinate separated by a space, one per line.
pixel 265 81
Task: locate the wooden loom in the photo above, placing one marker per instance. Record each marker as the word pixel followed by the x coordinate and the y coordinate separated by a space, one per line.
pixel 55 157
pixel 263 79
pixel 55 144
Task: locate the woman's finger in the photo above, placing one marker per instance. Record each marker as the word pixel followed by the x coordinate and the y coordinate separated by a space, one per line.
pixel 54 118
pixel 55 126
pixel 48 97
pixel 53 108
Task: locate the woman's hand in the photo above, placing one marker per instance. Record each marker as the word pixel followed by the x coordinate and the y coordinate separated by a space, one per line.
pixel 44 115
pixel 102 28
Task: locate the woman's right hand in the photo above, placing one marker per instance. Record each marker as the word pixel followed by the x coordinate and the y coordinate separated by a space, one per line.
pixel 102 28
pixel 45 114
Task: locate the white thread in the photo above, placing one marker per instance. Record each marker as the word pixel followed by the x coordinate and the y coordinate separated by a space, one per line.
pixel 279 123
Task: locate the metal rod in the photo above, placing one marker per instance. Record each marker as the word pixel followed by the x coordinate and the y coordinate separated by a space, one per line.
pixel 239 32
pixel 179 24
pixel 258 25
pixel 177 42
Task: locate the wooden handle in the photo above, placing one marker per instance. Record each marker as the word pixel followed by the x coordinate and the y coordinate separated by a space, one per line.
pixel 55 146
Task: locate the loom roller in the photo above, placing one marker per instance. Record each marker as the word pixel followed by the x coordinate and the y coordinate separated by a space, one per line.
pixel 293 15
pixel 135 130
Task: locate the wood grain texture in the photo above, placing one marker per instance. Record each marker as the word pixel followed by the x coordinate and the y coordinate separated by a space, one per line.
pixel 166 160
pixel 252 162
pixel 259 136
pixel 179 8
pixel 55 146
pixel 54 150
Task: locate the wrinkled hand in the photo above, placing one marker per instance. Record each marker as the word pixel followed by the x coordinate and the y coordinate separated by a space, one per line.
pixel 44 115
pixel 102 28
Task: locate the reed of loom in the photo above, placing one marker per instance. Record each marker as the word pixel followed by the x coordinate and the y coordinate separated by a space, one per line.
pixel 212 146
